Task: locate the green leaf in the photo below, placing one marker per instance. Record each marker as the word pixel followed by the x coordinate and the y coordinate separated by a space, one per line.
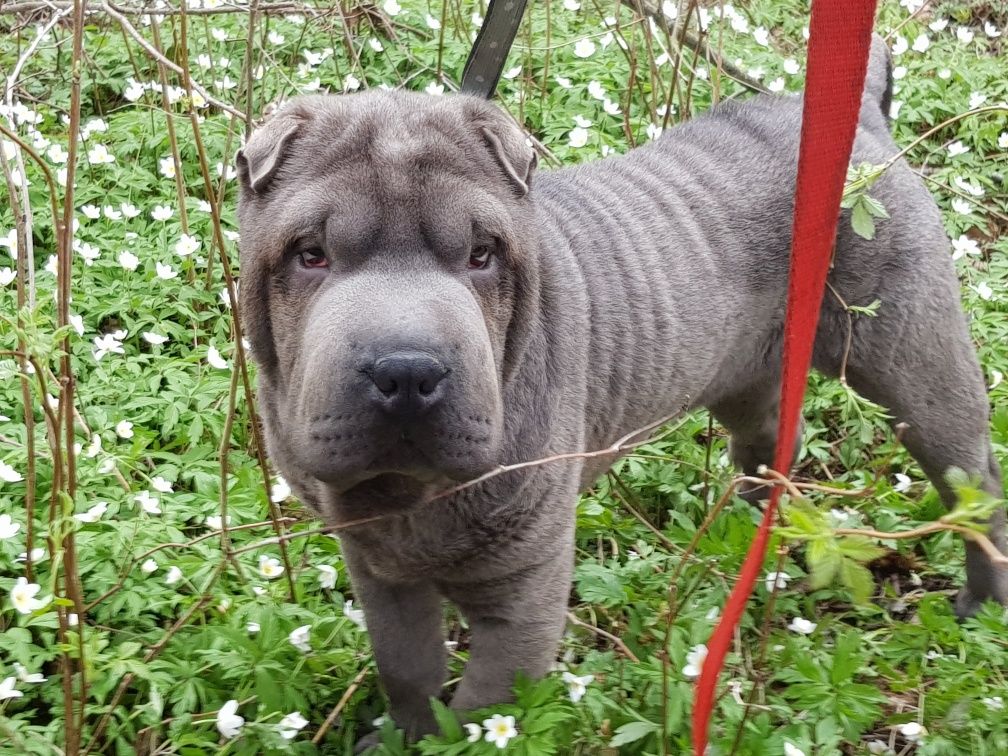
pixel 446 720
pixel 846 659
pixel 631 732
pixel 874 207
pixel 861 221
pixel 859 548
pixel 824 560
pixel 858 579
pixel 599 584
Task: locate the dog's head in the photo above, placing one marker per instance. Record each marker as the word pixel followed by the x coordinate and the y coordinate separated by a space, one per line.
pixel 383 245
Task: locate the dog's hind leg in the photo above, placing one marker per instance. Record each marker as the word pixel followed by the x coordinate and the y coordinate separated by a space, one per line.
pixel 915 358
pixel 750 413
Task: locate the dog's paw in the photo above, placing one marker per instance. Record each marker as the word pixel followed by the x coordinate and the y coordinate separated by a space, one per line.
pixel 968 604
pixel 368 743
pixel 753 492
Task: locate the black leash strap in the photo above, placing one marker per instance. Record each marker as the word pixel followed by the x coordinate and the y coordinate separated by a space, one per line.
pixel 490 50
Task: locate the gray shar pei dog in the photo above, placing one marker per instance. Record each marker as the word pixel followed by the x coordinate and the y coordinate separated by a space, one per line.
pixel 423 307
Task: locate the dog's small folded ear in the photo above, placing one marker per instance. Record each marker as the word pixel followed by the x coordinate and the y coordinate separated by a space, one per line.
pixel 513 152
pixel 258 160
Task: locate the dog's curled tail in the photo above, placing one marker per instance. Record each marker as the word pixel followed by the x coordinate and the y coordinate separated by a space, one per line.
pixel 878 81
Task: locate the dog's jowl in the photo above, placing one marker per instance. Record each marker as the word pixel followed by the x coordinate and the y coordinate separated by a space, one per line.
pixel 424 306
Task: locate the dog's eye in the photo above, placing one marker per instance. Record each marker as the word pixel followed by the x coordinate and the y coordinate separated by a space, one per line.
pixel 480 256
pixel 313 258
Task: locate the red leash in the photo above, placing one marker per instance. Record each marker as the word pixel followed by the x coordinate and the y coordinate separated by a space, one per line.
pixel 839 40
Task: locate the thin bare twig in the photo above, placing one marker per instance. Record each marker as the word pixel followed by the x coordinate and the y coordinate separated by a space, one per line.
pixel 344 699
pixel 615 640
pixel 152 52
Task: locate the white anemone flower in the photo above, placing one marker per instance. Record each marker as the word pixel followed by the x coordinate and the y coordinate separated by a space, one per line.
pixel 802 626
pixel 8 474
pixel 270 567
pixel 695 661
pixel 148 502
pixel 964 246
pixel 327 576
pixel 128 261
pixel 214 358
pixel 577 137
pixel 99 155
pixel 300 638
pixel 165 272
pixel 291 725
pixel 354 615
pixel 109 343
pixel 28 677
pixel 8 528
pixel 577 685
pixel 7 689
pixel 166 167
pixel 279 491
pixel 93 514
pixel 584 48
pixel 57 154
pixel 962 206
pixel 971 188
pixel 214 522
pixel 23 596
pixel 778 579
pixel 499 730
pixel 229 722
pixel 161 485
pixel 186 245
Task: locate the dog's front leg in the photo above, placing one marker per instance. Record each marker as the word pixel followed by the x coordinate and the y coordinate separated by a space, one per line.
pixel 516 627
pixel 405 622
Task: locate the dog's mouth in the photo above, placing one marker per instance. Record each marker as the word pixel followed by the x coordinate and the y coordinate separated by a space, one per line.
pixel 387 493
pixel 406 457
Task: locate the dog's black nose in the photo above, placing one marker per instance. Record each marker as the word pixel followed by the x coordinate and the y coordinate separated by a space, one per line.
pixel 407 382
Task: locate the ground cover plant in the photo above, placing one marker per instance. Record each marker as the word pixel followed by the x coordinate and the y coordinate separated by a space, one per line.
pixel 161 591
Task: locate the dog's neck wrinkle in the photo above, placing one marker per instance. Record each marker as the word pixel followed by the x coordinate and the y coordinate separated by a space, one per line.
pixel 626 226
pixel 540 366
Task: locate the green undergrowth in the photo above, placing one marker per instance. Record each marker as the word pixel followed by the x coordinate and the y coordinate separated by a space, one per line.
pixel 858 646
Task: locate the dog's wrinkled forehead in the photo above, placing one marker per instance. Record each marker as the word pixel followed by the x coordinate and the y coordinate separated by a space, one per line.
pixel 401 137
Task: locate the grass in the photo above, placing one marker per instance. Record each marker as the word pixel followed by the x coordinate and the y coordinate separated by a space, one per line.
pixel 149 619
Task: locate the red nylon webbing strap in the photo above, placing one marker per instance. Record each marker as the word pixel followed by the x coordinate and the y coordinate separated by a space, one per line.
pixel 839 40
